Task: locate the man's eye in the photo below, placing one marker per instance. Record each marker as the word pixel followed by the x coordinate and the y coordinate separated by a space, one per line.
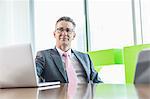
pixel 61 29
pixel 67 30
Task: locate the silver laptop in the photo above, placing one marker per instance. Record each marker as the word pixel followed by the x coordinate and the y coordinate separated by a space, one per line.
pixel 17 68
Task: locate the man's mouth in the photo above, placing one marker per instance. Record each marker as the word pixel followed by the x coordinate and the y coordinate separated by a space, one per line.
pixel 64 39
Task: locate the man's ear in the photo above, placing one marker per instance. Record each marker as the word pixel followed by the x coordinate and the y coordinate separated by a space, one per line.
pixel 74 36
pixel 54 33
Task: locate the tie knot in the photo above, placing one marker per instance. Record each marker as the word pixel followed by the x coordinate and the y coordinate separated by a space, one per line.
pixel 65 54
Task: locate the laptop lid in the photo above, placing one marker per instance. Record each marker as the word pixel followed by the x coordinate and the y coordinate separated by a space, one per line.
pixel 142 72
pixel 17 66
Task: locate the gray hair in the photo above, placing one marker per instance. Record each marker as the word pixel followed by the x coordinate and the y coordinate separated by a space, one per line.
pixel 65 18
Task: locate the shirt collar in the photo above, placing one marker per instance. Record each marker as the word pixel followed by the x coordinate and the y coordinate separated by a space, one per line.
pixel 62 52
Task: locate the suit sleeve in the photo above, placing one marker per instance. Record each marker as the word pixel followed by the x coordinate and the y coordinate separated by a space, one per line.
pixel 40 63
pixel 94 75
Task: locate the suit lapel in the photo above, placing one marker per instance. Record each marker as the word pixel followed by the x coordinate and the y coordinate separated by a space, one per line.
pixel 79 57
pixel 59 64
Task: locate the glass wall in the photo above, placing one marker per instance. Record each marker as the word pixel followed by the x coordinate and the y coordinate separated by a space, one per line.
pixel 46 14
pixel 15 22
pixel 110 24
pixel 145 17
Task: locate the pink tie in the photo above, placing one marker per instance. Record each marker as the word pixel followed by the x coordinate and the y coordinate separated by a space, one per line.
pixel 71 76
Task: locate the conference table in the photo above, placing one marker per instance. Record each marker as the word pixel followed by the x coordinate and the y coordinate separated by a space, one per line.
pixel 83 91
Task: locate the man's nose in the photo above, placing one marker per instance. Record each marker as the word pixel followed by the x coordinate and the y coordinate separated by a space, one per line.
pixel 64 32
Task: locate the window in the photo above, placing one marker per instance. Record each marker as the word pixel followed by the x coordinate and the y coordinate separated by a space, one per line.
pixel 14 22
pixel 145 13
pixel 110 24
pixel 111 27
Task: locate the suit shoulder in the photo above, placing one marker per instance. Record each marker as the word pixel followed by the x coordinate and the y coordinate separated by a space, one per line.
pixel 45 51
pixel 81 53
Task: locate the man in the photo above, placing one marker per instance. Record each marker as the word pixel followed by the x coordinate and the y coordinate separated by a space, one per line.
pixel 51 64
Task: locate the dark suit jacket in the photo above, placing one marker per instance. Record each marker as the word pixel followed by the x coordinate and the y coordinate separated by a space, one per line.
pixel 50 66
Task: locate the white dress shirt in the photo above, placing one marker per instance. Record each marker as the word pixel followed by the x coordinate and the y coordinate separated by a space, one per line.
pixel 81 76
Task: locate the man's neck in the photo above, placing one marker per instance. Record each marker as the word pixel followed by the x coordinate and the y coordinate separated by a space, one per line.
pixel 64 48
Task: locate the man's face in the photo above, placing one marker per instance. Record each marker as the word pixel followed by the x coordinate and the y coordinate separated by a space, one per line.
pixel 64 33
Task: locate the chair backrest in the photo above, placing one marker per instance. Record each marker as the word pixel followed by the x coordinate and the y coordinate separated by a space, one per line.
pixel 106 57
pixel 142 72
pixel 130 54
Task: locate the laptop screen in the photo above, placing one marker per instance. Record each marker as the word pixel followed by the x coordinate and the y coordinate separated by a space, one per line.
pixel 142 72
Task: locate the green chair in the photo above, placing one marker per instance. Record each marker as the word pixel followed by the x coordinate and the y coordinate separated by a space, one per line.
pixel 106 57
pixel 130 60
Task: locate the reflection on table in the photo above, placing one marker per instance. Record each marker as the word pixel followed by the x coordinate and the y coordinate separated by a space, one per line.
pixel 84 91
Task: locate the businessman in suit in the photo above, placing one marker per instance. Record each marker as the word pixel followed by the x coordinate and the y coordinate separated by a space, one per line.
pixel 50 63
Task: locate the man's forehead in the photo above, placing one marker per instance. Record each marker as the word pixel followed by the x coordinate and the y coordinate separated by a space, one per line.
pixel 64 24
